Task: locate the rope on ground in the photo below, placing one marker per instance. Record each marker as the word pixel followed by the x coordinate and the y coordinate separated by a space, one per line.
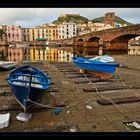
pixel 122 110
pixel 122 81
pixel 42 105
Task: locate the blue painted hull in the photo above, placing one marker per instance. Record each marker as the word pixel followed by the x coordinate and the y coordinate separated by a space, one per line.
pixel 93 65
pixel 26 86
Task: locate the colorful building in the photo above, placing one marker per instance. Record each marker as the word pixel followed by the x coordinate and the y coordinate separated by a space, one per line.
pixel 25 34
pixel 13 32
pixel 44 32
pixel 67 30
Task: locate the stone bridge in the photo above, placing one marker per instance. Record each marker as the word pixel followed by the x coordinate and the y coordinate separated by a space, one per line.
pixel 105 41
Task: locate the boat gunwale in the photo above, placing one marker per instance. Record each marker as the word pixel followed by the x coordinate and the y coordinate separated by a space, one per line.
pixel 45 78
pixel 97 62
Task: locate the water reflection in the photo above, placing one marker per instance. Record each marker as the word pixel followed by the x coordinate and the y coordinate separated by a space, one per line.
pixel 36 53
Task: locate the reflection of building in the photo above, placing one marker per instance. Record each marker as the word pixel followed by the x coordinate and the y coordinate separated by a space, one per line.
pixel 65 55
pixel 3 52
pixel 51 54
pixel 35 54
pixel 44 54
pixel 67 30
pixel 15 54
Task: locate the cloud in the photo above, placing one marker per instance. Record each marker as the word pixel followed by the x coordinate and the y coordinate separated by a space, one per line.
pixel 35 16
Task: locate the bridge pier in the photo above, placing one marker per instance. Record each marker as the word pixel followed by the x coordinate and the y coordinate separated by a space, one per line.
pixel 101 45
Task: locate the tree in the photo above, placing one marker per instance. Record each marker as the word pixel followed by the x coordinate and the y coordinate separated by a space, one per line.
pixel 1 34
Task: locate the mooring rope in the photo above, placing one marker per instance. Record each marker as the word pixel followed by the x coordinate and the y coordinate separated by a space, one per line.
pixel 122 110
pixel 42 105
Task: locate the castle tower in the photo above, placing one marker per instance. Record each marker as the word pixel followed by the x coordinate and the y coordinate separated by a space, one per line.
pixel 110 18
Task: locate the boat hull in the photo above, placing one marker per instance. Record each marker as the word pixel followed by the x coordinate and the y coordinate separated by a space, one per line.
pixel 92 65
pixel 26 88
pixel 21 95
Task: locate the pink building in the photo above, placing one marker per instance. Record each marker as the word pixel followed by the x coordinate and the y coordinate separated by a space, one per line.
pixel 13 32
pixel 15 54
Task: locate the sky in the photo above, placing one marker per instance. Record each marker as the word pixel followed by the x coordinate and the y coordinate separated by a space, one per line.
pixel 28 17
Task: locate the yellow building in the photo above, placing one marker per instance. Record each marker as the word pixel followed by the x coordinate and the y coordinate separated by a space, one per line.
pixel 47 32
pixel 37 33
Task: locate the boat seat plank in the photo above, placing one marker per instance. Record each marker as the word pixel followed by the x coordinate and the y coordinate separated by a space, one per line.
pixel 28 75
pixel 26 81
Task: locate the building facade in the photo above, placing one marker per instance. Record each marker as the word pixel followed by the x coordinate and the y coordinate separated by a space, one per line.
pixel 47 32
pixel 67 30
pixel 13 33
pixel 25 34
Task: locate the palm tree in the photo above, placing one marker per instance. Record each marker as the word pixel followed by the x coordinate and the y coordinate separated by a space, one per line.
pixel 2 32
pixel 3 53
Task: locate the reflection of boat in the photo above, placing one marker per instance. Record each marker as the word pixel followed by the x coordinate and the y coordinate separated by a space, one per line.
pixel 95 65
pixel 12 45
pixel 22 45
pixel 47 43
pixel 28 84
pixel 19 45
pixel 7 65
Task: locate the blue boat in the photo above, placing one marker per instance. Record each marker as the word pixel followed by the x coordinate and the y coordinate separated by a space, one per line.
pixel 95 65
pixel 27 84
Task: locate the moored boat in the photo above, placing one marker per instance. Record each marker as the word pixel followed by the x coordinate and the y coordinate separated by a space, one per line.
pixel 27 84
pixel 6 65
pixel 108 67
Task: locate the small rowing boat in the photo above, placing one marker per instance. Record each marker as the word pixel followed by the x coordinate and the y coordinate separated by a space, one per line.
pixel 27 84
pixel 98 64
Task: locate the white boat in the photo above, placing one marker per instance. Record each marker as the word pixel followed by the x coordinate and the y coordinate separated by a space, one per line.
pixel 7 65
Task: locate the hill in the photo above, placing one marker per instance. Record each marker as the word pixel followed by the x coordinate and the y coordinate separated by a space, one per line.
pixel 80 19
pixel 71 18
pixel 117 19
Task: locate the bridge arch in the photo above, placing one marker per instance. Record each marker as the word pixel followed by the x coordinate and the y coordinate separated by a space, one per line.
pixel 93 39
pixel 79 44
pixel 91 46
pixel 124 37
pixel 119 44
pixel 80 40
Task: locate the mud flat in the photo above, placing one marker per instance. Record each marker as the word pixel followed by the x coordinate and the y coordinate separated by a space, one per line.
pixel 80 111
